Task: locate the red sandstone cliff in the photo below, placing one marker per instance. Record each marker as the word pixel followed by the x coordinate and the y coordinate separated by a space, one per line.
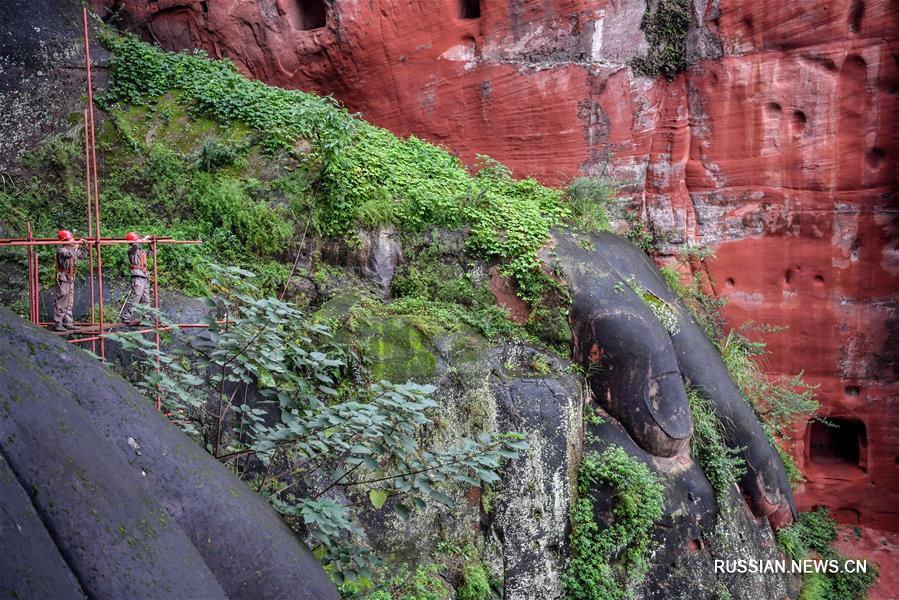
pixel 777 147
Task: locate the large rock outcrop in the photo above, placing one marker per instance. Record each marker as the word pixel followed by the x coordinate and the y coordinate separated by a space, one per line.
pixel 777 147
pixel 635 372
pixel 103 497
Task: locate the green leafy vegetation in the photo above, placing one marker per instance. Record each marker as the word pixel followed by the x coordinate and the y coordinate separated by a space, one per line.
pixel 364 175
pixel 705 308
pixel 428 581
pixel 590 199
pixel 335 431
pixel 722 465
pixel 155 190
pixel 665 24
pixel 191 149
pixel 780 403
pixel 663 311
pixel 450 288
pixel 812 536
pixel 424 583
pixel 608 562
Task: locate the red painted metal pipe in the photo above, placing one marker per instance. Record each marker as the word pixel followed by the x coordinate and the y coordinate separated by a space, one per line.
pixel 37 288
pixel 143 331
pixel 90 221
pixel 90 106
pixel 16 242
pixel 31 299
pixel 156 316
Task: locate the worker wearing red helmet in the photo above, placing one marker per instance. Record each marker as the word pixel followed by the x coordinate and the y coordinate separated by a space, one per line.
pixel 140 284
pixel 66 261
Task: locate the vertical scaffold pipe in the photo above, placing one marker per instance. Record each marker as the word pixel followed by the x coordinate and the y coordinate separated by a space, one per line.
pixel 90 221
pixel 156 317
pixel 93 144
pixel 32 311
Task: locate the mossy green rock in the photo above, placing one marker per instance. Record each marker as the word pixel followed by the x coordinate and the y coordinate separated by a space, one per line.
pixel 400 347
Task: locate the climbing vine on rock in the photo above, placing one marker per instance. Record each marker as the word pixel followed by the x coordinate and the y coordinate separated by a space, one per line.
pixel 369 177
pixel 608 562
pixel 665 24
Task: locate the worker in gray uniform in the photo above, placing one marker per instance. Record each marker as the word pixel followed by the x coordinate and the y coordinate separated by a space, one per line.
pixel 66 261
pixel 140 281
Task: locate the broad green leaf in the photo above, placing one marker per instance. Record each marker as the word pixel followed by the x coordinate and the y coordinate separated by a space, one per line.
pixel 377 497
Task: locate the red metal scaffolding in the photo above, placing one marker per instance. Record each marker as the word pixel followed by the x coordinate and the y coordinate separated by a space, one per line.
pixel 96 330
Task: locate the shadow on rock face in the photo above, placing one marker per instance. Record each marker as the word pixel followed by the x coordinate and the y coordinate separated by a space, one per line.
pixel 101 496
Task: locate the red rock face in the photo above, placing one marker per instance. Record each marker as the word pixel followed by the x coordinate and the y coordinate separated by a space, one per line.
pixel 777 148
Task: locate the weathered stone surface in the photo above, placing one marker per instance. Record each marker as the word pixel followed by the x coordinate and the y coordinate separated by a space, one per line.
pixel 777 147
pixel 614 331
pixel 42 71
pixel 527 528
pixel 31 564
pixel 167 520
pixel 373 255
pixel 695 530
pixel 520 525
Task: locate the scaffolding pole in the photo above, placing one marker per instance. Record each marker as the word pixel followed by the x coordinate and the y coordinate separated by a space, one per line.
pixel 97 325
pixel 90 220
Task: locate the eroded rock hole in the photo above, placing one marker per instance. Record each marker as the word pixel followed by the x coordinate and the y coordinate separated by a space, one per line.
pixel 729 281
pixel 856 13
pixel 852 390
pixel 799 121
pixel 838 443
pixel 774 107
pixel 470 9
pixel 874 157
pixel 309 14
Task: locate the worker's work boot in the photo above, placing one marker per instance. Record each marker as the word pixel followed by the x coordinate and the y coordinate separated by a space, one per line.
pixel 58 327
pixel 71 326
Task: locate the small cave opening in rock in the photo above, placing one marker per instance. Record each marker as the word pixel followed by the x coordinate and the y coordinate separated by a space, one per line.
pixel 856 13
pixel 838 444
pixel 470 9
pixel 309 14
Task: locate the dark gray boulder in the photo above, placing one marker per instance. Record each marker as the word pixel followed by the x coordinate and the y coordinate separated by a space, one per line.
pixel 135 507
pixel 610 330
pixel 31 564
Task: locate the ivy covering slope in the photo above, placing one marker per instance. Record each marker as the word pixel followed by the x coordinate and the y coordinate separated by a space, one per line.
pixel 363 175
pixel 609 563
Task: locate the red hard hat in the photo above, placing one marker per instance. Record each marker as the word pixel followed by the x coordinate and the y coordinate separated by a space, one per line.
pixel 65 235
pixel 132 236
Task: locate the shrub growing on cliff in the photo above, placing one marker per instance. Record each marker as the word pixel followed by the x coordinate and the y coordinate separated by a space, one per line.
pixel 779 402
pixel 327 432
pixel 665 24
pixel 365 174
pixel 812 536
pixel 590 198
pixel 722 465
pixel 607 563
